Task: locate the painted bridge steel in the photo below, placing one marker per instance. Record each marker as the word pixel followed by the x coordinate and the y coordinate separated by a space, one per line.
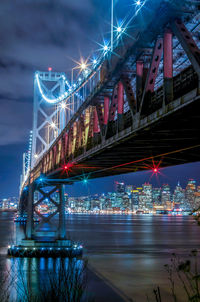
pixel 145 106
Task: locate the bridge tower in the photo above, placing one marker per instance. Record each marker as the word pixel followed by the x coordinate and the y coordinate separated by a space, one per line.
pixel 49 117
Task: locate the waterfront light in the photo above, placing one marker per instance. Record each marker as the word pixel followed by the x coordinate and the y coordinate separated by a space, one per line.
pixel 119 29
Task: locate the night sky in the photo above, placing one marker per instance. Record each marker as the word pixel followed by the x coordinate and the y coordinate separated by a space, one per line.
pixel 36 34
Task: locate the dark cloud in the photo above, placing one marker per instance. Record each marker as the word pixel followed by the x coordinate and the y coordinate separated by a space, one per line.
pixel 34 35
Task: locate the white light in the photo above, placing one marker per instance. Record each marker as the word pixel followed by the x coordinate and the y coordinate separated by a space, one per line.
pixel 138 2
pixel 53 125
pixel 105 48
pixel 36 155
pixel 63 105
pixel 83 66
pixel 94 61
pixel 119 29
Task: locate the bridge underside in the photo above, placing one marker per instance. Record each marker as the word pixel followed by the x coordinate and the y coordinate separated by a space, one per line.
pixel 172 140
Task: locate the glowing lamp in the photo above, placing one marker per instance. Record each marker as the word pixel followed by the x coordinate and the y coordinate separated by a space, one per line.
pixel 63 105
pixel 53 125
pixel 83 66
pixel 94 61
pixel 119 29
pixel 105 48
pixel 138 2
pixel 50 69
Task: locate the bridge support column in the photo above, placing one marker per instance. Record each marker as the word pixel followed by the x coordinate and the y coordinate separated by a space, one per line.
pixel 120 106
pixel 41 240
pixel 168 67
pixel 29 225
pixel 62 226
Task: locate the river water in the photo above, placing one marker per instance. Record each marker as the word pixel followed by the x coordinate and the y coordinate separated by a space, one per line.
pixel 127 252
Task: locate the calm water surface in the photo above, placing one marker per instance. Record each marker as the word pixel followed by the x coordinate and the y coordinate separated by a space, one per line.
pixel 129 252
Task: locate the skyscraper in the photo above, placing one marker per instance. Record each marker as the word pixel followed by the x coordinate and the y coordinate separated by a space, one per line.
pixel 179 197
pixel 156 196
pixel 189 194
pixel 166 196
pixel 120 187
pixel 145 200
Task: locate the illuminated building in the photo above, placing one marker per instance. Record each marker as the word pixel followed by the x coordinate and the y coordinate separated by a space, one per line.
pixel 179 197
pixel 129 189
pixel 145 198
pixel 126 202
pixel 156 196
pixel 197 198
pixel 189 194
pixel 135 198
pixel 120 187
pixel 166 196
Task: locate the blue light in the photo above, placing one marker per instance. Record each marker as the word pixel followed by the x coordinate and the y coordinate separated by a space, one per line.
pixel 41 179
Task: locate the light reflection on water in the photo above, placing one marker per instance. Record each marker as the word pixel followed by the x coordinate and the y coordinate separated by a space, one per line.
pixel 147 241
pixel 29 275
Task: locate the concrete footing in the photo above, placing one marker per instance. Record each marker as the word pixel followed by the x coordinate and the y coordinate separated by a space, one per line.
pixel 38 249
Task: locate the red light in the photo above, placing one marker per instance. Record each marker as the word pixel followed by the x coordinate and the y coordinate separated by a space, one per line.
pixel 66 167
pixel 50 69
pixel 155 170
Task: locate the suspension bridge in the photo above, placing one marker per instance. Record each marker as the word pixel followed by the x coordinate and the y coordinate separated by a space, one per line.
pixel 134 107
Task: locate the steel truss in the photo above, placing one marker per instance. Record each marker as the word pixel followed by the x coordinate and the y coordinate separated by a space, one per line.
pixel 34 231
pixel 104 114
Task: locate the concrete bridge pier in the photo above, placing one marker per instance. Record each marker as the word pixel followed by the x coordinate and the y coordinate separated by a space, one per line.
pixel 44 242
